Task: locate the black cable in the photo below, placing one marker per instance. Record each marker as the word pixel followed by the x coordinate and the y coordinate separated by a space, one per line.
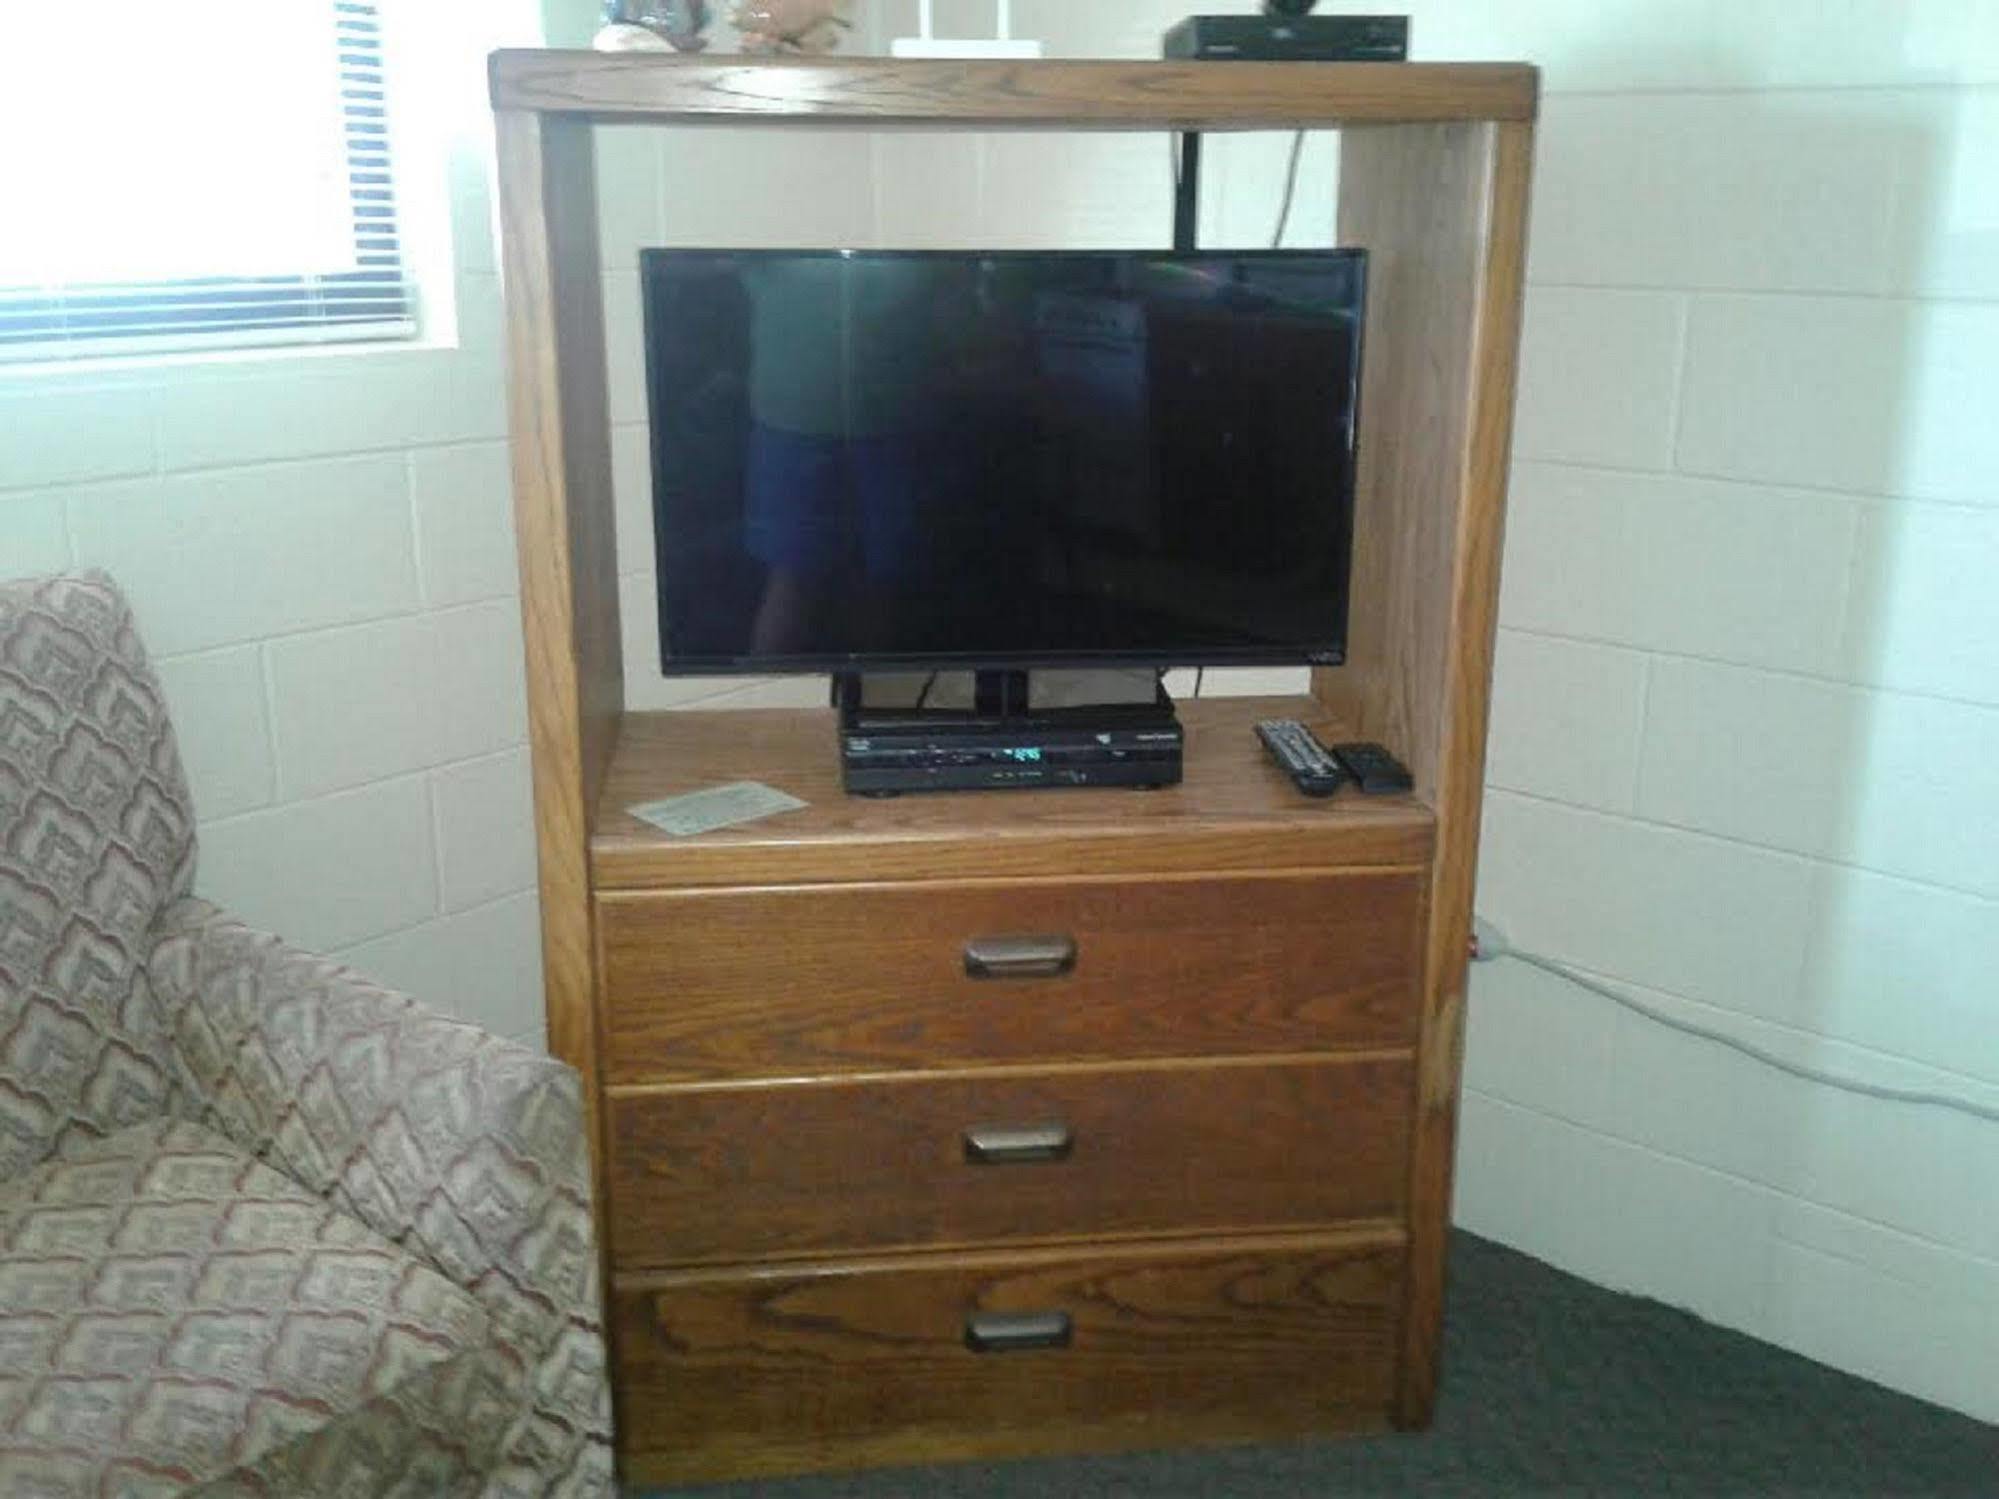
pixel 923 692
pixel 1290 190
pixel 1199 673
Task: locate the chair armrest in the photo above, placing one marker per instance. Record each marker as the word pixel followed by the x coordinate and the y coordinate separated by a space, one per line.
pixel 466 1149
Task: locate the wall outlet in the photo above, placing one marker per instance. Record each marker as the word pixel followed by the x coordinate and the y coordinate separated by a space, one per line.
pixel 1488 940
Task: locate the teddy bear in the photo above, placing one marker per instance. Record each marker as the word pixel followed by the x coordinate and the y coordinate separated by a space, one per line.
pixel 791 25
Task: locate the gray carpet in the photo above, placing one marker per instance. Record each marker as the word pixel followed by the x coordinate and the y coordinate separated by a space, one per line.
pixel 1551 1386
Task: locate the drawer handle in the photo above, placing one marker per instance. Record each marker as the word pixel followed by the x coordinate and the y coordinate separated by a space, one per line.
pixel 998 1145
pixel 1019 957
pixel 1017 1332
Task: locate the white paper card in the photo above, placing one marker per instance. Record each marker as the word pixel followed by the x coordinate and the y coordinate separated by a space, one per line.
pixel 716 807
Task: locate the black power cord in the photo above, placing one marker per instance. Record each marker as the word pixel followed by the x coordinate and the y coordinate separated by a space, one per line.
pixel 1290 190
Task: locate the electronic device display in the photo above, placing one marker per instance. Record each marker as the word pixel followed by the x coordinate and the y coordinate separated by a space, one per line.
pixel 906 459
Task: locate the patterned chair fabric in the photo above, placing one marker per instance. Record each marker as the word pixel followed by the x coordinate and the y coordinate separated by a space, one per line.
pixel 176 1312
pixel 96 837
pixel 200 1123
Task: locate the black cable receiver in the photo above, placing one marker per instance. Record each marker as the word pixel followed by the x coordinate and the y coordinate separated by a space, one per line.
pixel 1287 31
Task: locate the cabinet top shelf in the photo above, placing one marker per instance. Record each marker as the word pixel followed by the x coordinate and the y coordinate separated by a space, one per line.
pixel 880 93
pixel 1235 809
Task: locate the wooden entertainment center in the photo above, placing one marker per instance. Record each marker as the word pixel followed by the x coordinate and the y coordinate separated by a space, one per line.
pixel 992 1124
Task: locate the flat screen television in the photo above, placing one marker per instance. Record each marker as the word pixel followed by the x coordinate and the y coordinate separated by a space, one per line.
pixel 905 460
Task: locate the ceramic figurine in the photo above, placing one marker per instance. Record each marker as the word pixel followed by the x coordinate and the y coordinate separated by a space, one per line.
pixel 653 26
pixel 791 25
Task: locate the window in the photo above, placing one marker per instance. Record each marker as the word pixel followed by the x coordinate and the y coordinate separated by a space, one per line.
pixel 206 173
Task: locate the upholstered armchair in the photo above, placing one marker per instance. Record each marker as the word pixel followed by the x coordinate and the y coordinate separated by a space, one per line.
pixel 265 1228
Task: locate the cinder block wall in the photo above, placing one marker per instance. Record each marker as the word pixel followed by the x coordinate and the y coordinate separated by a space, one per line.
pixel 1746 751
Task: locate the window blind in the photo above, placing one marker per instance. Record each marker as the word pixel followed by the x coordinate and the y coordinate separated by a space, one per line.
pixel 284 160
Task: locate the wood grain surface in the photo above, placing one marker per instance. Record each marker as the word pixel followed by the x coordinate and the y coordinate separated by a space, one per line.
pixel 1423 250
pixel 822 980
pixel 1459 778
pixel 1235 810
pixel 1441 210
pixel 788 1169
pixel 1049 94
pixel 817 980
pixel 736 1374
pixel 561 461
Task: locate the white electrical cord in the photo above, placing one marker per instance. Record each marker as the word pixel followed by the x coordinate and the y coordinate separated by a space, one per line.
pixel 1491 944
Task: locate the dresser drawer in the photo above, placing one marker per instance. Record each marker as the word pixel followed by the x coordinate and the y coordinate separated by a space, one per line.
pixel 986 1355
pixel 807 981
pixel 764 1170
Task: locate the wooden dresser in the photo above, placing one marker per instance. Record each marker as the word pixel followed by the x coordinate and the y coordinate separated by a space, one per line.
pixel 1014 1122
pixel 1025 1122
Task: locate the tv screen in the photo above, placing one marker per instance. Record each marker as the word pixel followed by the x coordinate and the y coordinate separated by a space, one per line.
pixel 910 459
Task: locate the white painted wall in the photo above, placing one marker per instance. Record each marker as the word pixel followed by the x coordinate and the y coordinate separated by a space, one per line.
pixel 1747 717
pixel 1745 757
pixel 320 551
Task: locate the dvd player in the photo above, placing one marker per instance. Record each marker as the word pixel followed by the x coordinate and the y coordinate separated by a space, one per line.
pixel 883 759
pixel 1000 743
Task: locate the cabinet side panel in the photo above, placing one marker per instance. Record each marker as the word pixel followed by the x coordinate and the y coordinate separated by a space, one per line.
pixel 1412 196
pixel 1441 209
pixel 1460 783
pixel 563 519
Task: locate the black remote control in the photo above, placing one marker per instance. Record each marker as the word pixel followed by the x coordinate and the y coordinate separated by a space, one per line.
pixel 1376 770
pixel 1298 753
